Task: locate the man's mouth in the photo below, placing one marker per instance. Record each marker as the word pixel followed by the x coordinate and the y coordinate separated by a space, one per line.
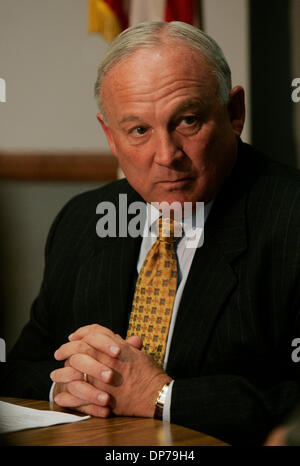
pixel 176 181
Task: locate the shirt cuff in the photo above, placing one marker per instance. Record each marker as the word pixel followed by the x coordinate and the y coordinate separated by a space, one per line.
pixel 51 399
pixel 167 405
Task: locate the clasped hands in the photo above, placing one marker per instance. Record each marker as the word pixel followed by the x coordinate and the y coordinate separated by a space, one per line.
pixel 122 379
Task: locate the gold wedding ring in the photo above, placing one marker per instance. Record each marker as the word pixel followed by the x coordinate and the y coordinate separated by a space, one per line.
pixel 85 377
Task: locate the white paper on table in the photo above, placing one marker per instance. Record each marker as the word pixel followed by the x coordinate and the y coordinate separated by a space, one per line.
pixel 14 418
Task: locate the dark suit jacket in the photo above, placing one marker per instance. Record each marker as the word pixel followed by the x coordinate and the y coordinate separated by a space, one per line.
pixel 231 349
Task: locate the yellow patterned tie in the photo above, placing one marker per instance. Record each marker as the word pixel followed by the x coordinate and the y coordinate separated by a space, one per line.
pixel 155 291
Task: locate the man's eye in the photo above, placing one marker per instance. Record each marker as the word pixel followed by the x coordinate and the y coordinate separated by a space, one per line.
pixel 189 120
pixel 188 124
pixel 139 131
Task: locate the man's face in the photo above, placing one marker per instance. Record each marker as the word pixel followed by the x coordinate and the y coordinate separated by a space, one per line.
pixel 172 137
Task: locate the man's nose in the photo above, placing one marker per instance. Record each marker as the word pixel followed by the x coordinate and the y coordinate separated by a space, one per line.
pixel 168 149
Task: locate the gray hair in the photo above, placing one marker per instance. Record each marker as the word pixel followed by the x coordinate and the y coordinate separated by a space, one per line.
pixel 149 34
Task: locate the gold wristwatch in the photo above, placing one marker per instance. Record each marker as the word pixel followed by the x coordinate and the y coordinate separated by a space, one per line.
pixel 160 401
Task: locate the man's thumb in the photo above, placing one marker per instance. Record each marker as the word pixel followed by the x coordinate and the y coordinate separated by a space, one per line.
pixel 135 341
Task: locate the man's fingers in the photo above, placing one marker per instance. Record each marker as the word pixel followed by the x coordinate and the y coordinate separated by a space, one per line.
pixel 96 336
pixel 80 393
pixel 67 400
pixel 84 363
pixel 66 350
pixel 94 410
pixel 65 375
pixel 103 343
pixel 82 332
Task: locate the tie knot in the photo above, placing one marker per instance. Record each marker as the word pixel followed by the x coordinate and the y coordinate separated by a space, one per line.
pixel 169 230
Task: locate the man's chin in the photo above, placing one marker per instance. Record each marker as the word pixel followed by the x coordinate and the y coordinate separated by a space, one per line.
pixel 181 196
pixel 177 200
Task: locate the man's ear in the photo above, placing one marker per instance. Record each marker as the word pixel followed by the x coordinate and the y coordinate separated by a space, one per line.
pixel 236 109
pixel 108 133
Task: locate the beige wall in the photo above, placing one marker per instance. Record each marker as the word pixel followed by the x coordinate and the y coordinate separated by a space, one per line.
pixel 227 22
pixel 49 63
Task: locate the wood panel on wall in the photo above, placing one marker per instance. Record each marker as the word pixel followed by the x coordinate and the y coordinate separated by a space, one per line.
pixel 65 166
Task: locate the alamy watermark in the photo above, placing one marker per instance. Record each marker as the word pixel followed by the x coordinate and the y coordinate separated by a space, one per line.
pixel 2 90
pixel 2 350
pixel 296 352
pixel 296 92
pixel 140 219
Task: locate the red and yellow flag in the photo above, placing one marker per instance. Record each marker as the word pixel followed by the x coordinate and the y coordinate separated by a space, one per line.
pixel 107 17
pixel 110 17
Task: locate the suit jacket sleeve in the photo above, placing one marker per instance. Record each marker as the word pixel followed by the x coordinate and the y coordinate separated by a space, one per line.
pixel 232 408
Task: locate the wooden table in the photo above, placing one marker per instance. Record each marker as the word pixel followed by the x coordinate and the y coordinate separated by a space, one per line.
pixel 119 431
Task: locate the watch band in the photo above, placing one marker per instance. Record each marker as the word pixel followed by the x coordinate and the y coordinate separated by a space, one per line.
pixel 160 401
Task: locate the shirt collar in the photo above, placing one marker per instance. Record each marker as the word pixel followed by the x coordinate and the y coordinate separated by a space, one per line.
pixel 195 221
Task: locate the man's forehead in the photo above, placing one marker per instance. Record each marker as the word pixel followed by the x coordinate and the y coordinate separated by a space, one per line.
pixel 179 55
pixel 152 74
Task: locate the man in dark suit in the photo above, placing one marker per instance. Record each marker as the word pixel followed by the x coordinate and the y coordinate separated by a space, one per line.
pixel 174 123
